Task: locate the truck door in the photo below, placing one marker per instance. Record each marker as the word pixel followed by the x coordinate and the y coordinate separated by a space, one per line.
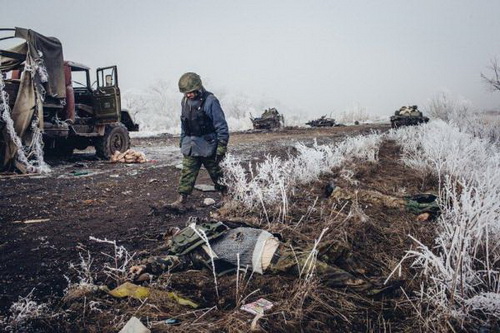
pixel 107 96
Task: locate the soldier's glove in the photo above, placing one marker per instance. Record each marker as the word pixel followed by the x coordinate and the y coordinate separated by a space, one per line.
pixel 221 152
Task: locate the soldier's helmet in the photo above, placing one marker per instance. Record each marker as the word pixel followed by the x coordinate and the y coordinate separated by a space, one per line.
pixel 189 82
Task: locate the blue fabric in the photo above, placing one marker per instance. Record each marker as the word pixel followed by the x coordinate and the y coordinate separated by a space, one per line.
pixel 206 145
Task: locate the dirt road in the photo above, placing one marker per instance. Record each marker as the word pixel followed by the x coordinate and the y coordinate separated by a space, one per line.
pixel 46 219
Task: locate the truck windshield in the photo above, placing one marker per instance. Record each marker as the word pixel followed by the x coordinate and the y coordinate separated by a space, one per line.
pixel 79 79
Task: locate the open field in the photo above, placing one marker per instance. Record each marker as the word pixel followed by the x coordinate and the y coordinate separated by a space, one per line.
pixel 47 222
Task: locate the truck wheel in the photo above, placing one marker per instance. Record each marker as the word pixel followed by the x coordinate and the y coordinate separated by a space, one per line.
pixel 116 138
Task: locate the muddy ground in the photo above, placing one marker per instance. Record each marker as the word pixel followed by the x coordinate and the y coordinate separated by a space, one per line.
pixel 47 220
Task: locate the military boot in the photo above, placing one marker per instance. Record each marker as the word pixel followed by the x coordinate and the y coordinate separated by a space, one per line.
pixel 180 203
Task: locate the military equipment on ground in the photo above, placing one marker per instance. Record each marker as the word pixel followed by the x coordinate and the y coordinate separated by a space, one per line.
pixel 407 116
pixel 322 122
pixel 58 94
pixel 270 119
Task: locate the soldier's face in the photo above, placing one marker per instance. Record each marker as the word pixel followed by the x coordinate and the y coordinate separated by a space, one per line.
pixel 190 95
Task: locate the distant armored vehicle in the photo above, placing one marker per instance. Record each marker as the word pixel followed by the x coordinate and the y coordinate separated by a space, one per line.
pixel 322 122
pixel 270 119
pixel 407 116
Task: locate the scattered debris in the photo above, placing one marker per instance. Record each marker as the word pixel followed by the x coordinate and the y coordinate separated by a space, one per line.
pixel 129 156
pixel 134 325
pixel 32 221
pixel 423 217
pixel 90 201
pixel 205 188
pixel 257 307
pixel 329 190
pixel 172 321
pixel 208 201
pixel 130 289
pixel 80 173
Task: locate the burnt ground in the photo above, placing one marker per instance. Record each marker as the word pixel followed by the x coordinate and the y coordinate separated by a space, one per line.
pixel 47 220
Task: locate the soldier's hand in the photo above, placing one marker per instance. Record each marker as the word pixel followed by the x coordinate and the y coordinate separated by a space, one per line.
pixel 221 148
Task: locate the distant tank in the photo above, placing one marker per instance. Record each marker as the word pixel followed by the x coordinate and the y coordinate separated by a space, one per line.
pixel 408 116
pixel 322 122
pixel 270 119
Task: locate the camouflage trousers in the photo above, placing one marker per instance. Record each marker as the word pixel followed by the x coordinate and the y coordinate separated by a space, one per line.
pixel 285 261
pixel 191 167
pixel 297 261
pixel 172 263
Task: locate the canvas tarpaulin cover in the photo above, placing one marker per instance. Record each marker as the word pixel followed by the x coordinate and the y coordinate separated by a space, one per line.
pixel 43 75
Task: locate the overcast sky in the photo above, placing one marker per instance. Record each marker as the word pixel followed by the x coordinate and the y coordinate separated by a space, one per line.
pixel 312 56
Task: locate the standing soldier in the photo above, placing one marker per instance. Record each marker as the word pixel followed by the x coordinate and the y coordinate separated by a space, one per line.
pixel 204 136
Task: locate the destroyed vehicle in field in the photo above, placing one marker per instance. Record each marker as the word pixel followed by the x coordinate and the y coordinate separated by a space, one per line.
pixel 270 119
pixel 322 122
pixel 45 92
pixel 407 116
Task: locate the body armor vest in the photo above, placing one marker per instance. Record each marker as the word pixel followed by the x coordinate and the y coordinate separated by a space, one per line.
pixel 195 121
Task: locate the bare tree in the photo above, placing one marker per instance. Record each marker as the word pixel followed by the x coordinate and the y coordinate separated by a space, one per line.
pixel 493 81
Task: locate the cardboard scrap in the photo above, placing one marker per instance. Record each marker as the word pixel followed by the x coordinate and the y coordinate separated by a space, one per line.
pixel 257 307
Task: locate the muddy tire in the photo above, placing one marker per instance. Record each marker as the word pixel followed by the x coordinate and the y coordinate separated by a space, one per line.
pixel 115 138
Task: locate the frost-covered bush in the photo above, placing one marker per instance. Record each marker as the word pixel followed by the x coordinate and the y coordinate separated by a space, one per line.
pixel 23 312
pixel 461 272
pixel 442 149
pixel 271 181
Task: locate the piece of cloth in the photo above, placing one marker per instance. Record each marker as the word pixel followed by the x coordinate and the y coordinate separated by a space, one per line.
pixel 270 247
pixel 191 167
pixel 28 104
pixel 47 52
pixel 7 63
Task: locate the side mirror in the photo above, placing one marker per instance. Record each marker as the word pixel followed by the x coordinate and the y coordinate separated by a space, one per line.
pixel 109 80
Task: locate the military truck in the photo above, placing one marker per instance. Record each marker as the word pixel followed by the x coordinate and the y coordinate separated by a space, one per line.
pixel 407 116
pixel 270 119
pixel 71 112
pixel 323 121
